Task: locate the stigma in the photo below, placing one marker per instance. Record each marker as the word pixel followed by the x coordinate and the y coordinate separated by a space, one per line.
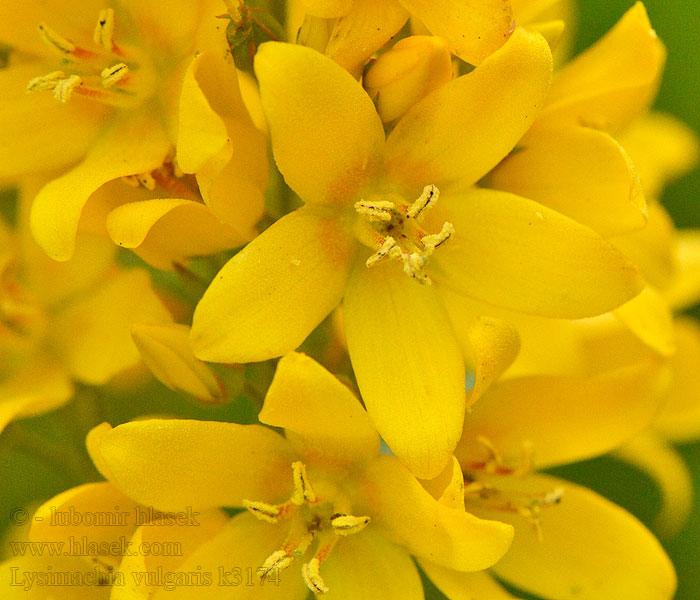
pixel 397 233
pixel 95 70
pixel 311 520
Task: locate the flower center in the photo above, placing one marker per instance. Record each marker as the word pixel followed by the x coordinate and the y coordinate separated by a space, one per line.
pixel 310 518
pixel 396 232
pixel 494 486
pixel 105 71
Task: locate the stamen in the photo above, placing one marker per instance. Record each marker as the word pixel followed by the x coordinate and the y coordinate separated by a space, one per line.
pixel 104 30
pixel 46 82
pixel 303 492
pixel 56 41
pixel 388 248
pixel 64 88
pixel 437 239
pixel 131 180
pixel 271 513
pixel 114 74
pixel 381 211
pixel 277 561
pixel 495 461
pixel 312 576
pixel 427 198
pixel 146 180
pixel 348 524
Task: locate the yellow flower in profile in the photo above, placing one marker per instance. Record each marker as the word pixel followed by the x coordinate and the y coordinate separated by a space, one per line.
pixel 325 511
pixel 122 89
pixel 65 322
pixel 384 218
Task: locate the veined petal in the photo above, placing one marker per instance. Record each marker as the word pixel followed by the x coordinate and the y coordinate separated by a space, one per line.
pixel 269 297
pixel 685 291
pixel 473 30
pixel 408 365
pixel 241 547
pixel 326 134
pixel 562 419
pixel 327 423
pixel 372 568
pixel 662 148
pixel 658 459
pixel 679 419
pixel 175 464
pixel 94 347
pixel 465 586
pixel 37 133
pixel 493 345
pixel 516 253
pixel 649 317
pixel 362 31
pixel 412 517
pixel 131 146
pixel 653 248
pixel 580 172
pixel 40 386
pixel 459 132
pixel 608 85
pixel 166 231
pixel 627 563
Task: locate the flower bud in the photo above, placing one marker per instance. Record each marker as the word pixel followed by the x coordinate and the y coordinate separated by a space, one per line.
pixel 166 351
pixel 408 72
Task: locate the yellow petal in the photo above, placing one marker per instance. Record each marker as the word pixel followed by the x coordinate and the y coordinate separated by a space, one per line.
pixel 173 28
pixel 233 557
pixel 580 172
pixel 448 487
pixel 679 419
pixel 367 27
pixel 653 248
pixel 459 132
pixel 685 291
pixel 370 567
pixel 37 133
pixel 668 469
pixel 326 134
pixel 408 365
pixel 591 549
pixel 167 352
pixel 662 148
pixel 55 521
pixel 473 29
pixel 562 419
pixel 649 318
pixel 410 516
pixel 176 464
pixel 95 346
pixel 465 586
pixel 201 132
pixel 37 387
pixel 493 345
pixel 608 85
pixel 129 147
pixel 516 253
pixel 321 417
pixel 269 297
pixel 167 231
pixel 327 9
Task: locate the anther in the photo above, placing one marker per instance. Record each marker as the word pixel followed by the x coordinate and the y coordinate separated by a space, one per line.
pixel 427 198
pixel 435 240
pixel 46 82
pixel 388 248
pixel 146 180
pixel 264 511
pixel 131 180
pixel 104 30
pixel 277 561
pixel 114 74
pixel 312 576
pixel 348 524
pixel 303 492
pixel 63 90
pixel 380 211
pixel 56 41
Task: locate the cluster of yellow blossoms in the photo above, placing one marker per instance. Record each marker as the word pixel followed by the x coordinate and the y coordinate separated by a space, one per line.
pixel 460 225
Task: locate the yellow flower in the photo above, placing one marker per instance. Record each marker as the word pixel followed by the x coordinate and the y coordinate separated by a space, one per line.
pixel 325 511
pixel 373 230
pixel 64 322
pixel 132 90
